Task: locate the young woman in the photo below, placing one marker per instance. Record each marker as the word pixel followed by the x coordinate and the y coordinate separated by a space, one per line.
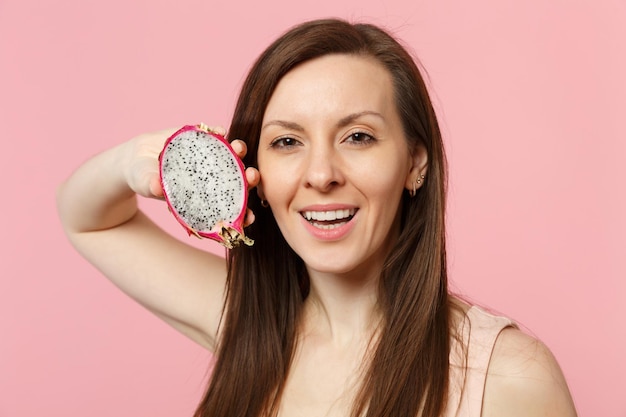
pixel 341 308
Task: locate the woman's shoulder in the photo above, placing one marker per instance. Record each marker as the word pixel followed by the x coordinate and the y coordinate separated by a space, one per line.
pixel 524 379
pixel 499 370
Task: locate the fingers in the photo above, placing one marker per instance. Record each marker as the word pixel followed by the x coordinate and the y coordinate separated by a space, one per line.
pixel 249 219
pixel 239 147
pixel 253 177
pixel 155 187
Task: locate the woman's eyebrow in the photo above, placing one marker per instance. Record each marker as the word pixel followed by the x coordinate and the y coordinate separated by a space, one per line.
pixel 354 116
pixel 285 124
pixel 345 121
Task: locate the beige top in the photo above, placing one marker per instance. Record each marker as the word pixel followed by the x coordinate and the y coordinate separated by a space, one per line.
pixel 479 332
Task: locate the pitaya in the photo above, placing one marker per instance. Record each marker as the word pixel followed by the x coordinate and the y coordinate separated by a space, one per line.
pixel 204 184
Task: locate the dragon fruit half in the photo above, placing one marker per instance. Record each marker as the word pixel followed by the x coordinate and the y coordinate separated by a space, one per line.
pixel 204 184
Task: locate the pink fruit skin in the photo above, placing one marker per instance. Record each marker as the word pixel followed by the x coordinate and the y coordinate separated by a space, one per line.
pixel 228 234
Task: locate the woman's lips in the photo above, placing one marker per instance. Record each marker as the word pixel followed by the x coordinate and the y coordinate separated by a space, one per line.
pixel 327 223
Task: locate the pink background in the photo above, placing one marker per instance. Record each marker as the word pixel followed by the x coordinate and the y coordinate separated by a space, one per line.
pixel 532 98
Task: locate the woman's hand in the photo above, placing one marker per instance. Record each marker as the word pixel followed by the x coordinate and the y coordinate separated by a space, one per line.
pixel 142 164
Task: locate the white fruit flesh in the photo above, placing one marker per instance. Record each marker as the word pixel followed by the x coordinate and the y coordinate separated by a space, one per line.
pixel 203 183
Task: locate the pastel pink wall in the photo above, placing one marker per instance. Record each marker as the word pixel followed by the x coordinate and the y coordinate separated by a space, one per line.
pixel 531 95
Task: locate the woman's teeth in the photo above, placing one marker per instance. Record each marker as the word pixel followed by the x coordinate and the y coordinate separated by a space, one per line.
pixel 331 218
pixel 328 215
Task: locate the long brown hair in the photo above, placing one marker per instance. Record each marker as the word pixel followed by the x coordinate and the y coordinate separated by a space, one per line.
pixel 267 283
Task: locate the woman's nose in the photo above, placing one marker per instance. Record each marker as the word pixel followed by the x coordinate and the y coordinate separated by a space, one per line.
pixel 323 168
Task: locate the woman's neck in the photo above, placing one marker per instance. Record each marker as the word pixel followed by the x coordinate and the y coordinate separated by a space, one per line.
pixel 342 309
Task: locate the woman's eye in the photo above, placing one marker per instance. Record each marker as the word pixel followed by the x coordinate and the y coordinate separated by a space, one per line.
pixel 284 143
pixel 360 138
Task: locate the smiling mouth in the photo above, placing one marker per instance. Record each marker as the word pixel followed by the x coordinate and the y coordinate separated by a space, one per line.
pixel 329 219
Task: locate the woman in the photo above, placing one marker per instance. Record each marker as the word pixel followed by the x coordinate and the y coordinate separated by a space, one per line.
pixel 349 316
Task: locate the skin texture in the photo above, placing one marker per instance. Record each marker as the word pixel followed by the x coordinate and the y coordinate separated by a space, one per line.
pixel 308 156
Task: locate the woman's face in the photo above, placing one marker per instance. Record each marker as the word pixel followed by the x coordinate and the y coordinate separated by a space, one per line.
pixel 334 162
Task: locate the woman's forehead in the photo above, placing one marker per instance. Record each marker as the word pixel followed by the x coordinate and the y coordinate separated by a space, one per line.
pixel 332 84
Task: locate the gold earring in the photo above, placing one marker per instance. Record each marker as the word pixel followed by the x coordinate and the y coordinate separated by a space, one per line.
pixel 417 182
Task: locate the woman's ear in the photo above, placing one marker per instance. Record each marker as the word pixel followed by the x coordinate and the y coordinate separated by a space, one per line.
pixel 417 172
